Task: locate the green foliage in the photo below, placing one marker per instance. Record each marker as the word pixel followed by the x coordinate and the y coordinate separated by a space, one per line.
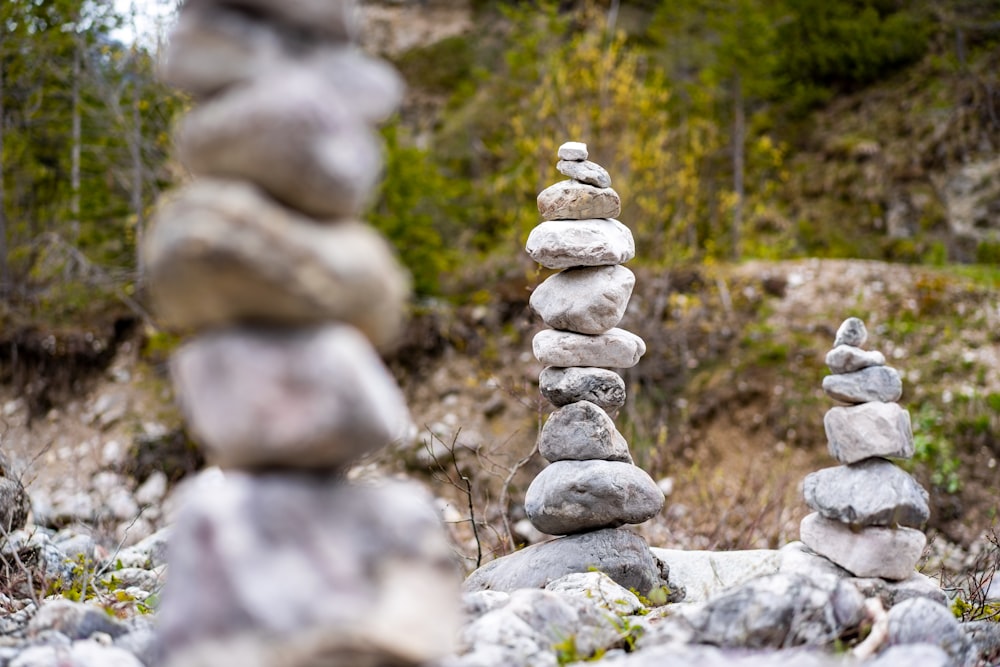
pixel 934 451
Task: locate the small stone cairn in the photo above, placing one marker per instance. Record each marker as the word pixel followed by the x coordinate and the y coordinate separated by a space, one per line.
pixel 591 482
pixel 866 511
pixel 281 561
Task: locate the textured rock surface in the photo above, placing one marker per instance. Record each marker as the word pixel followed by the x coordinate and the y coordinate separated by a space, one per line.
pixel 266 264
pixel 14 505
pixel 582 431
pixel 600 386
pixel 563 244
pixel 599 589
pixel 852 331
pixel 573 200
pixel 615 348
pixel 873 492
pixel 920 621
pixel 619 553
pixel 705 574
pixel 573 150
pixel 314 398
pixel 585 171
pixel 875 383
pixel 871 552
pixel 286 564
pixel 587 300
pixel 574 496
pixel 847 359
pixel 858 432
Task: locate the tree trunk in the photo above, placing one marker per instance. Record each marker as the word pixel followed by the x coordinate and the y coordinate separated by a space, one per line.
pixel 739 141
pixel 136 150
pixel 4 268
pixel 74 203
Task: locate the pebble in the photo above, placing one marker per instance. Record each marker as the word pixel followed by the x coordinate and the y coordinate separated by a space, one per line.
pixel 847 359
pixel 889 553
pixel 615 348
pixel 582 431
pixel 573 150
pixel 851 332
pixel 573 200
pixel 600 386
pixel 872 492
pixel 875 383
pixel 585 171
pixel 565 244
pixel 588 300
pixel 858 432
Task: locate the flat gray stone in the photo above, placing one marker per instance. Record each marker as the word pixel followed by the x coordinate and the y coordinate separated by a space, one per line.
pixel 587 300
pixel 293 135
pixel 890 553
pixel 573 200
pixel 221 253
pixel 847 359
pixel 585 171
pixel 875 383
pixel 619 553
pixel 600 386
pixel 581 431
pixel 706 574
pixel 852 332
pixel 573 150
pixel 858 432
pixel 872 492
pixel 336 20
pixel 564 244
pixel 307 398
pixel 615 348
pixel 290 569
pixel 576 496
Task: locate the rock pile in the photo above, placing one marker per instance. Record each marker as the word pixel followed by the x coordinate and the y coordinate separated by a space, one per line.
pixel 866 511
pixel 592 482
pixel 283 561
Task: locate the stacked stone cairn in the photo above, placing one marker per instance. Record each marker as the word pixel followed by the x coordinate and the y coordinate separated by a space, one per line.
pixel 867 511
pixel 282 560
pixel 591 482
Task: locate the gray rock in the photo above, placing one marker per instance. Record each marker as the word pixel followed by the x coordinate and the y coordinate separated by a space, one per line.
pixel 14 505
pixel 984 638
pixel 889 553
pixel 581 431
pixel 875 383
pixel 872 492
pixel 264 263
pixel 852 332
pixel 573 150
pixel 335 20
pixel 599 589
pixel 585 171
pixel 212 49
pixel 847 359
pixel 143 643
pixel 587 300
pixel 80 654
pixel 712 656
pixel 312 398
pixel 477 603
pixel 602 387
pixel 573 200
pixel 858 432
pixel 76 620
pixel 619 553
pixel 706 574
pixel 565 244
pixel 924 655
pixel 615 348
pixel 148 553
pixel 575 496
pixel 293 570
pixel 920 621
pixel 291 134
pixel 971 192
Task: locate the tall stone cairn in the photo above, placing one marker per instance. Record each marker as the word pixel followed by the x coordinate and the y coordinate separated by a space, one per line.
pixel 591 482
pixel 867 511
pixel 283 561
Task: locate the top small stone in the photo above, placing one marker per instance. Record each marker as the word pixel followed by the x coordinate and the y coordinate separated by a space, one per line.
pixel 573 150
pixel 851 332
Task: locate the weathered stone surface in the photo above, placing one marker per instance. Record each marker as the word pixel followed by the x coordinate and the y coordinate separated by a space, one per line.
pixel 971 196
pixel 314 398
pixel 573 200
pixel 872 492
pixel 615 348
pixel 294 570
pixel 14 505
pixel 921 621
pixel 587 300
pixel 875 383
pixel 600 386
pixel 327 19
pixel 291 134
pixel 581 431
pixel 984 637
pixel 705 574
pixel 847 359
pixel 574 496
pixel 563 244
pixel 213 48
pixel 619 553
pixel 852 332
pixel 863 431
pixel 221 253
pixel 890 553
pixel 701 655
pixel 78 654
pixel 585 171
pixel 573 150
pixel 924 655
pixel 599 589
pixel 76 620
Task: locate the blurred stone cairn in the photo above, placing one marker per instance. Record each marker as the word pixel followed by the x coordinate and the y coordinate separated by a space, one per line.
pixel 591 487
pixel 281 560
pixel 866 511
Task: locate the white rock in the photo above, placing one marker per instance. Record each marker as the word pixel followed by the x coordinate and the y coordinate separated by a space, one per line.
pixel 615 348
pixel 890 553
pixel 858 432
pixel 565 244
pixel 847 359
pixel 153 490
pixel 587 300
pixel 585 171
pixel 573 200
pixel 705 574
pixel 600 589
pixel 573 150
